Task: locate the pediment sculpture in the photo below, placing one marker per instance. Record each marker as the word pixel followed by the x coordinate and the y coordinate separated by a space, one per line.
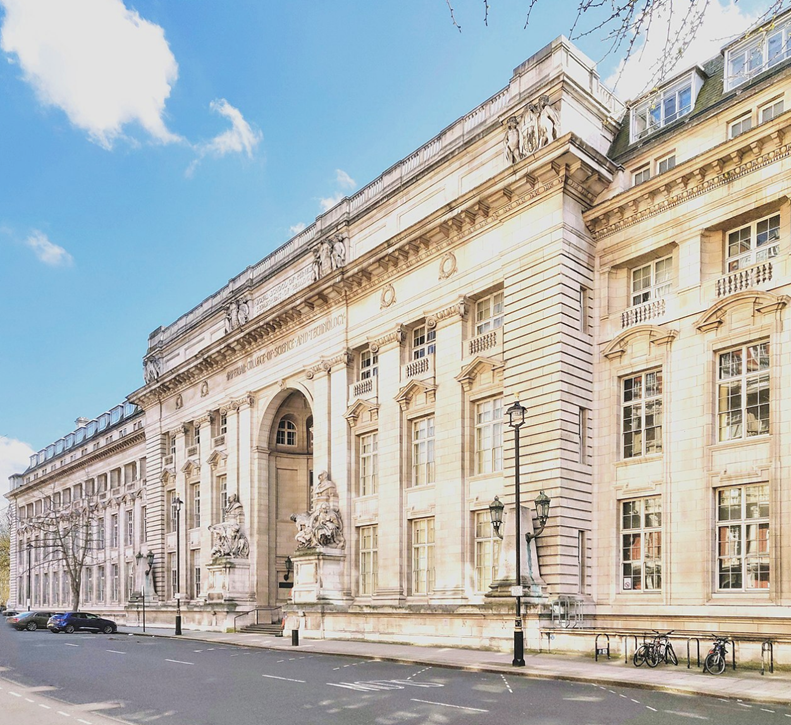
pixel 227 537
pixel 328 255
pixel 322 525
pixel 538 126
pixel 236 314
pixel 152 369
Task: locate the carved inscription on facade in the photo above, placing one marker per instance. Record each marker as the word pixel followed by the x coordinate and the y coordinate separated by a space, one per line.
pixel 283 290
pixel 292 343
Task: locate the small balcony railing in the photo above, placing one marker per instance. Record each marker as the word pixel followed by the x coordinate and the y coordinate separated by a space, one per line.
pixel 365 389
pixel 744 279
pixel 421 368
pixel 642 313
pixel 488 343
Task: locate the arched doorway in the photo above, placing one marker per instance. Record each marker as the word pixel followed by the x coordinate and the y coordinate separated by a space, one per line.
pixel 290 476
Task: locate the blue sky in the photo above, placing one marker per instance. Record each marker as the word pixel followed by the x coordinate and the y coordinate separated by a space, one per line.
pixel 152 151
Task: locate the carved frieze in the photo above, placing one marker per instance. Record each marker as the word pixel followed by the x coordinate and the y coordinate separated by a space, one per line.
pixel 152 369
pixel 537 126
pixel 328 255
pixel 236 314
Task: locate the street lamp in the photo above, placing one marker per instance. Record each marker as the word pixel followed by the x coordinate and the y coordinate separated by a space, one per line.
pixel 29 568
pixel 177 502
pixel 516 419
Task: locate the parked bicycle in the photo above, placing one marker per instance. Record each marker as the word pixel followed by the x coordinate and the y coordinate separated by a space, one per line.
pixel 716 658
pixel 659 649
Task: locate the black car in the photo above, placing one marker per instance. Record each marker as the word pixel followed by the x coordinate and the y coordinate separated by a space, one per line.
pixel 10 612
pixel 72 621
pixel 30 620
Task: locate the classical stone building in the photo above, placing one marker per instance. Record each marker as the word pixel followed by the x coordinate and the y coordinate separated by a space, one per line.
pixel 325 433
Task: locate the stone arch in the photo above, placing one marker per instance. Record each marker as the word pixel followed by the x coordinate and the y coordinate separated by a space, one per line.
pixel 760 302
pixel 654 334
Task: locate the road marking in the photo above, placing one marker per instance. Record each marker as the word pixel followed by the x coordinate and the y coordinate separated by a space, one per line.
pixel 652 709
pixel 692 715
pixel 743 704
pixel 69 644
pixel 624 697
pixel 86 722
pixel 179 662
pixel 637 701
pixel 15 694
pixel 115 651
pixel 763 709
pixel 507 685
pixel 287 679
pixel 65 714
pixel 445 704
pixel 46 707
pixel 27 699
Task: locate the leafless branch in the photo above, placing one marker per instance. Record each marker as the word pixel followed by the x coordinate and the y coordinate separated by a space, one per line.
pixel 452 16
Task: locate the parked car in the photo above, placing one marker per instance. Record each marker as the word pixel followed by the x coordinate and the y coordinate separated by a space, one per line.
pixel 72 621
pixel 30 620
pixel 10 613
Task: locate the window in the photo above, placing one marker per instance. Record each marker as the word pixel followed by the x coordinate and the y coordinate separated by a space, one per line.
pixel 743 125
pixel 223 423
pixel 369 464
pixel 45 590
pixel 173 506
pixel 584 310
pixel 423 342
pixel 652 281
pixel 174 576
pixel 489 436
pixel 754 243
pixel 130 580
pixel 666 164
pixel 582 559
pixel 196 434
pixel 88 585
pixel 100 584
pixel 641 175
pixel 115 592
pixel 130 528
pixel 743 392
pixel 369 543
pixel 286 433
pixel 489 313
pixel 665 107
pixel 487 551
pixel 422 556
pixel 222 485
pixel 770 111
pixel 582 422
pixel 423 451
pixel 755 55
pixel 641 414
pixel 143 526
pixel 641 544
pixel 196 578
pixel 195 505
pixel 114 531
pixel 172 444
pixel 743 537
pixel 369 364
pixel 100 533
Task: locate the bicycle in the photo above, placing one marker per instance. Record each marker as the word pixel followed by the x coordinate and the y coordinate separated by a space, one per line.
pixel 658 649
pixel 716 658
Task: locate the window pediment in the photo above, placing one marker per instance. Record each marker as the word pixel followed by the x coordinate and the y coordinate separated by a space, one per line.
pixel 416 393
pixel 217 459
pixel 761 302
pixel 480 372
pixel 191 467
pixel 652 333
pixel 361 412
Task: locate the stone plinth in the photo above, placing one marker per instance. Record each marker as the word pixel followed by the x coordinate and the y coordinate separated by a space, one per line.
pixel 229 581
pixel 318 576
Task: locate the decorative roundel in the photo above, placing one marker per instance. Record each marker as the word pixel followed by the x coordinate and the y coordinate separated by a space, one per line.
pixel 388 296
pixel 447 265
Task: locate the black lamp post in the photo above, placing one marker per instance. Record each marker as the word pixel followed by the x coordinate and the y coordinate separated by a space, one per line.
pixel 516 419
pixel 178 504
pixel 29 570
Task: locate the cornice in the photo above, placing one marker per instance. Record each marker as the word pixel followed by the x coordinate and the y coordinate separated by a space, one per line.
pixel 722 165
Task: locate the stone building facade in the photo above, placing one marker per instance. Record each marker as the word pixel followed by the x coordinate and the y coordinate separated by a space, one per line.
pixel 329 429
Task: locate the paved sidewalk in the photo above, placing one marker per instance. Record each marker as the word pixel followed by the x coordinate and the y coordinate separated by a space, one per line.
pixel 744 684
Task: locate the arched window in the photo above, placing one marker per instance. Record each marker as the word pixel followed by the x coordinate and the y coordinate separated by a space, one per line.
pixel 286 433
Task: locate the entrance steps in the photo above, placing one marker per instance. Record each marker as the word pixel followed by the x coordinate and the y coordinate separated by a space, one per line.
pixel 270 629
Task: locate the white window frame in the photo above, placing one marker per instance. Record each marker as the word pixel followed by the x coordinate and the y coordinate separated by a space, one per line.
pixel 641 175
pixel 368 571
pixel 743 394
pixel 369 364
pixel 487 550
pixel 669 160
pixel 368 478
pixel 641 528
pixel 489 425
pixel 489 313
pixel 423 448
pixel 196 516
pixel 741 125
pixel 752 56
pixel 423 555
pixel 130 527
pixel 771 109
pixel 424 341
pixel 763 243
pixel 743 533
pixel 286 434
pixel 642 407
pixel 662 108
pixel 658 273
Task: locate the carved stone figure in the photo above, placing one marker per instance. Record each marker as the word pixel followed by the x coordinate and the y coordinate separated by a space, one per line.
pixel 548 122
pixel 330 254
pixel 338 253
pixel 228 539
pixel 513 141
pixel 236 315
pixel 530 130
pixel 538 126
pixel 322 525
pixel 152 369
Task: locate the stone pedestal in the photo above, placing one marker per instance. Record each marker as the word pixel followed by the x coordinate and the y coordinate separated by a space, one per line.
pixel 318 576
pixel 229 581
pixel 506 566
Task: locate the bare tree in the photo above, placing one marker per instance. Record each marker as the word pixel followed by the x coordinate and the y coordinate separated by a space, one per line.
pixel 66 535
pixel 622 23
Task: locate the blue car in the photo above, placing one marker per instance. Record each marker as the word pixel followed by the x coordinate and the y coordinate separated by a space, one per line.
pixel 73 621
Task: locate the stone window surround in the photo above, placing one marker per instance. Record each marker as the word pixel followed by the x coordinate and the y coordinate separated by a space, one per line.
pixel 644 531
pixel 477 394
pixel 743 379
pixel 643 401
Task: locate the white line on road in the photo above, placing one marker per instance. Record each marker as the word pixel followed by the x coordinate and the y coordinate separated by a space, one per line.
pixel 763 709
pixel 652 709
pixel 507 685
pixel 27 699
pixel 86 722
pixel 46 707
pixel 69 644
pixel 115 651
pixel 637 701
pixel 624 697
pixel 288 679
pixel 686 714
pixel 65 714
pixel 15 694
pixel 179 662
pixel 445 704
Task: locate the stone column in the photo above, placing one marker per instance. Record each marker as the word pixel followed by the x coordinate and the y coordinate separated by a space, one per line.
pixel 340 454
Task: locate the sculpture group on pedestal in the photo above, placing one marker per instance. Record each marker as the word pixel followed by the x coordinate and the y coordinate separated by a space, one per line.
pixel 322 525
pixel 228 540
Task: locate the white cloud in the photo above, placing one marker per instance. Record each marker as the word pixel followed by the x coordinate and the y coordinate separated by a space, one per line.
pixel 14 458
pixel 328 202
pixel 239 138
pixel 344 180
pixel 721 20
pixel 96 60
pixel 47 252
pixel 297 228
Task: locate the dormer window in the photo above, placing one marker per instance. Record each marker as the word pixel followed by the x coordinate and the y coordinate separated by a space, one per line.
pixel 663 107
pixel 756 54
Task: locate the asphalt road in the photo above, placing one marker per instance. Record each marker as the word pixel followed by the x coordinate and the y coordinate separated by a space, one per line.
pixel 181 682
